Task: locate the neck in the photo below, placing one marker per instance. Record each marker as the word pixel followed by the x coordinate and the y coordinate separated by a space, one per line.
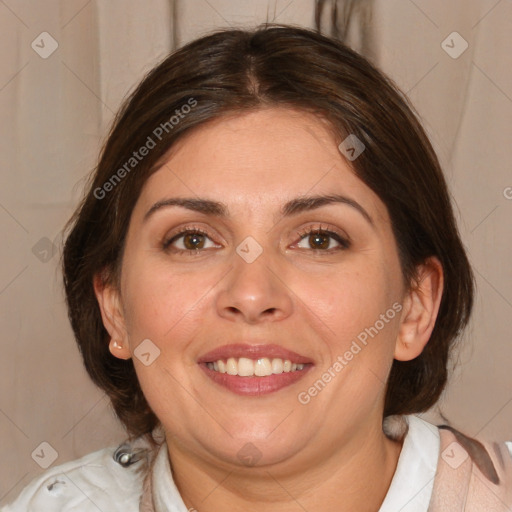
pixel 357 476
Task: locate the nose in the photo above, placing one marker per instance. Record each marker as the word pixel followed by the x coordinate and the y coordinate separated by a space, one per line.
pixel 254 292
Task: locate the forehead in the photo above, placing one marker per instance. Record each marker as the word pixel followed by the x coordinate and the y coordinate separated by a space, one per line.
pixel 260 158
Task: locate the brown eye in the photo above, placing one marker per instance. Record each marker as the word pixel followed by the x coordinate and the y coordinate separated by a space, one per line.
pixel 191 240
pixel 321 240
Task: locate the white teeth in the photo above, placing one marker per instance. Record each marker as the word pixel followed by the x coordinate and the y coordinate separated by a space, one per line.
pixel 231 366
pixel 277 366
pixel 245 367
pixel 262 367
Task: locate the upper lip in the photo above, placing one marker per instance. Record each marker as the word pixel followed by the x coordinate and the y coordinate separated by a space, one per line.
pixel 237 350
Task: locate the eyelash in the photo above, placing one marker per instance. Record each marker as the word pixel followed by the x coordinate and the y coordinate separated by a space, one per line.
pixel 344 242
pixel 166 245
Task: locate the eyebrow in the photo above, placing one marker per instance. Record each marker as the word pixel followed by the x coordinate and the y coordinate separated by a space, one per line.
pixel 292 207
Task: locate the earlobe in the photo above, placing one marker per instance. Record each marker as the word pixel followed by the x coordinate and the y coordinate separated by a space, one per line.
pixel 112 317
pixel 421 306
pixel 118 350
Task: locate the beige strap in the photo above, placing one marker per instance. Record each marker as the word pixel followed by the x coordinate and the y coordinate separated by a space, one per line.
pixel 472 475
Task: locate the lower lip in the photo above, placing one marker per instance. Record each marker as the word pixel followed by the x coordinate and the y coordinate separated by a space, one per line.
pixel 255 386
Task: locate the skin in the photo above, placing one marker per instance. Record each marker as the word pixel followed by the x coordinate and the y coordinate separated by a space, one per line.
pixel 330 454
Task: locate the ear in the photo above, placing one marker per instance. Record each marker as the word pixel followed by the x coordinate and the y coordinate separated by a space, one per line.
pixel 421 306
pixel 112 315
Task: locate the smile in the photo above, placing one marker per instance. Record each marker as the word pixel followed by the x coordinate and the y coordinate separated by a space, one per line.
pixel 251 384
pixel 261 367
pixel 254 369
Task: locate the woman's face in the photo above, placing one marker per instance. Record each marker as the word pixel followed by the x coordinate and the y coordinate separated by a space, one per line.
pixel 250 282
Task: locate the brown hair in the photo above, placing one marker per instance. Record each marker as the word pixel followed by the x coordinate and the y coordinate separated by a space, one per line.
pixel 232 71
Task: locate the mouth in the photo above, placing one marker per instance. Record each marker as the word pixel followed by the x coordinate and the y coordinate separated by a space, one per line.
pixel 254 369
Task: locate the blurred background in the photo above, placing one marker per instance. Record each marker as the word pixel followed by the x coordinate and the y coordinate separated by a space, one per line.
pixel 65 68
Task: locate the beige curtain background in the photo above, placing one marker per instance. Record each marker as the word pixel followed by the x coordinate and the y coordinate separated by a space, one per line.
pixel 56 109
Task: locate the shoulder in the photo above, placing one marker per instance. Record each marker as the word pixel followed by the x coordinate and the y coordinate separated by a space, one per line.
pixel 413 425
pixel 490 457
pixel 473 473
pixel 440 468
pixel 93 482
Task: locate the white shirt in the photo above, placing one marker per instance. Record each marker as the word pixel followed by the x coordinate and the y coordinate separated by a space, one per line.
pixel 97 482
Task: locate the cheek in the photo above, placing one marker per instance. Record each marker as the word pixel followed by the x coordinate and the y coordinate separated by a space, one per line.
pixel 157 300
pixel 358 308
pixel 348 300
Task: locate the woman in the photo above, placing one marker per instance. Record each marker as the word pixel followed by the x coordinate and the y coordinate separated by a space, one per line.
pixel 266 278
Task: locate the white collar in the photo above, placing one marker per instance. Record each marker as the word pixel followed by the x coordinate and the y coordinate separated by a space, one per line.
pixel 166 496
pixel 410 489
pixel 413 481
